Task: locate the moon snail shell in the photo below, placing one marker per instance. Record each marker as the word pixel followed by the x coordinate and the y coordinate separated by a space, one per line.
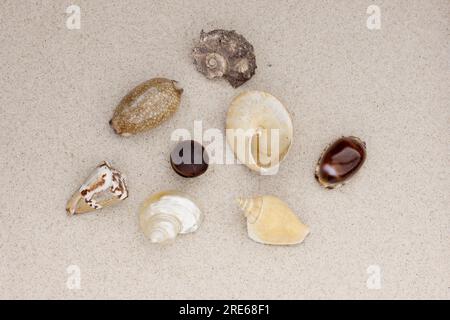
pixel 259 131
pixel 271 221
pixel 165 215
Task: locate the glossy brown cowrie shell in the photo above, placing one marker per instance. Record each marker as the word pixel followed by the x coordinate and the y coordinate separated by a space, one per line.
pixel 340 161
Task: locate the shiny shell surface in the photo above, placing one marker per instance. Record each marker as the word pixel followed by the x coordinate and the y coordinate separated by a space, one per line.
pixel 340 161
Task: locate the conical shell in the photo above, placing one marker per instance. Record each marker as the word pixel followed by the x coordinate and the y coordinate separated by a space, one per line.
pixel 166 214
pixel 271 221
pixel 146 106
pixel 259 130
pixel 104 187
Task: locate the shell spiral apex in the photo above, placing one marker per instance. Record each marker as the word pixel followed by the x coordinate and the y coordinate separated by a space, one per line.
pixel 251 207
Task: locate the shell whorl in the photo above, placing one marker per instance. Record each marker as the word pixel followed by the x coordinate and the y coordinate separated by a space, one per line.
pixel 216 64
pixel 224 53
pixel 252 207
pixel 166 214
pixel 162 227
pixel 259 130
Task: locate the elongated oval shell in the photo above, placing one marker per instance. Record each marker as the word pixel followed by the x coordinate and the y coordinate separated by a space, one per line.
pixel 340 161
pixel 259 130
pixel 271 221
pixel 166 214
pixel 104 187
pixel 146 106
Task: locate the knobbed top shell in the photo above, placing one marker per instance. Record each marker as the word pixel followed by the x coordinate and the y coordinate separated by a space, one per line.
pixel 166 214
pixel 259 130
pixel 271 221
pixel 104 187
pixel 146 106
pixel 227 54
pixel 340 161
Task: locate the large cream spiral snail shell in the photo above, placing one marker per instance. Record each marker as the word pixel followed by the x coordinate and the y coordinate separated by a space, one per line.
pixel 259 130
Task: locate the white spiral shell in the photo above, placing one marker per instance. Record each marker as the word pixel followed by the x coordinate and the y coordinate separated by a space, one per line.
pixel 166 214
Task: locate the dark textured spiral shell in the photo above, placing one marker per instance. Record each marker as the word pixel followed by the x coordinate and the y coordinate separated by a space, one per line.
pixel 227 54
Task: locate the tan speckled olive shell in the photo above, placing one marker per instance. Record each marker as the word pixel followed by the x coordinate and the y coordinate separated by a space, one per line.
pixel 146 106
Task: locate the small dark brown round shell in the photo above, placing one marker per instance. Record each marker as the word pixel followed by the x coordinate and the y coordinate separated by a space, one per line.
pixel 189 159
pixel 146 106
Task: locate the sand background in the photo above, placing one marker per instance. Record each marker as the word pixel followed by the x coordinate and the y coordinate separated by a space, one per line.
pixel 390 87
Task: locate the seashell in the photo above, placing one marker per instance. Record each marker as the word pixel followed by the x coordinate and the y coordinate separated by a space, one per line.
pixel 227 54
pixel 340 161
pixel 104 187
pixel 259 130
pixel 166 214
pixel 146 106
pixel 271 221
pixel 189 159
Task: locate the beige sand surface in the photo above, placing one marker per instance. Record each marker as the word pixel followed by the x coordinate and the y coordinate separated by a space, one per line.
pixel 390 87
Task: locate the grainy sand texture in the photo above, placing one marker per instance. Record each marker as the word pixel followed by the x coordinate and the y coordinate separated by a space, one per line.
pixel 390 87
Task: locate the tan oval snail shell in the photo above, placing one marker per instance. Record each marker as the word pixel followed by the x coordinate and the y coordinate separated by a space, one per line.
pixel 146 106
pixel 166 214
pixel 271 221
pixel 259 130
